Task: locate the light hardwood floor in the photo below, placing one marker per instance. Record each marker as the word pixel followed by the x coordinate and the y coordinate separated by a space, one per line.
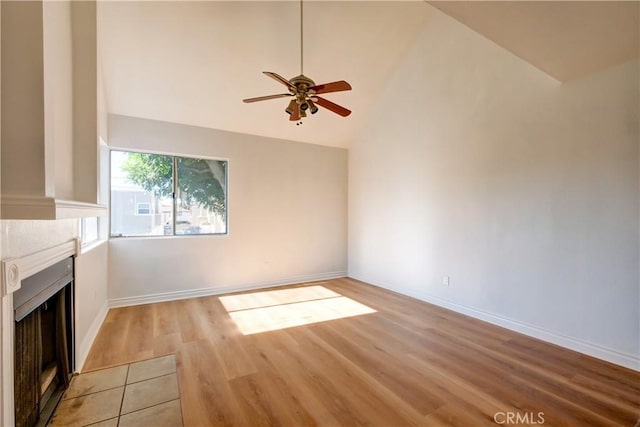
pixel 408 363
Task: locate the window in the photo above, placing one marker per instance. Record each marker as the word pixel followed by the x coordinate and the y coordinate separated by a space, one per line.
pixel 143 208
pixel 89 229
pixel 159 195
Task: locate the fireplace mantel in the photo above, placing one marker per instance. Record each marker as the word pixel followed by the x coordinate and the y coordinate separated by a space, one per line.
pixel 14 270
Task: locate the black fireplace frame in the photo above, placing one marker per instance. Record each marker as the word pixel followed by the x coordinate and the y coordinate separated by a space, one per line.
pixel 37 290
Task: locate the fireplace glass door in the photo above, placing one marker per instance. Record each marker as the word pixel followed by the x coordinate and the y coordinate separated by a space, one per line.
pixel 43 345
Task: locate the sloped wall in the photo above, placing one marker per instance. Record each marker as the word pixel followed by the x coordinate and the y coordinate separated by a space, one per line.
pixel 522 190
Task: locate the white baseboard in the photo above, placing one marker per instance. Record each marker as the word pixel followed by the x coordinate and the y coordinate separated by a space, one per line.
pixel 203 292
pixel 617 357
pixel 82 350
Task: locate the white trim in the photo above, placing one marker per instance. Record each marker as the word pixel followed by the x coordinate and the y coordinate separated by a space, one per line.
pixel 168 236
pixel 82 349
pixel 204 292
pixel 164 153
pixel 89 246
pixel 72 209
pixel 614 356
pixel 40 207
pixel 14 270
pixel 7 411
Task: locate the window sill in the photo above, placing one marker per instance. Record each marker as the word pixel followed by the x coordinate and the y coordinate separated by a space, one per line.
pixel 179 236
pixel 89 246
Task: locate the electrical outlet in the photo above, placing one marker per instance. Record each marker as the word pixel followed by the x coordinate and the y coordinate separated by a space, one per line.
pixel 445 280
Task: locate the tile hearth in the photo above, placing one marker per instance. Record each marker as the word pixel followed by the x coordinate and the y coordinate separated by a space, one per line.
pixel 139 394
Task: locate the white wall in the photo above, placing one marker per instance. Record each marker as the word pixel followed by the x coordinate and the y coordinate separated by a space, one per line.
pixel 523 190
pixel 91 272
pixel 287 217
pixel 58 97
pixel 85 101
pixel 23 237
pixel 22 98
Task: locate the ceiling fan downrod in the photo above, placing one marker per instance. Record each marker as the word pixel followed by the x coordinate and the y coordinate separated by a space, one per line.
pixel 304 91
pixel 301 40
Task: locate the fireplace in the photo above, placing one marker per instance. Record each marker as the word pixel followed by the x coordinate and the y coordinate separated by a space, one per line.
pixel 44 342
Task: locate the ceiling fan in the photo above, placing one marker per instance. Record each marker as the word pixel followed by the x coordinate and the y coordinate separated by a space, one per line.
pixel 305 91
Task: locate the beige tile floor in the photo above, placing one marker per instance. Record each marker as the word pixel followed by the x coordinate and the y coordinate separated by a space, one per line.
pixel 139 394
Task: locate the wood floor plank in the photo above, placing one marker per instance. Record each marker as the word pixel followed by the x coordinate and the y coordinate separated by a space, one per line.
pixel 205 394
pixel 403 380
pixel 364 395
pixel 408 363
pixel 458 416
pixel 299 380
pixel 266 400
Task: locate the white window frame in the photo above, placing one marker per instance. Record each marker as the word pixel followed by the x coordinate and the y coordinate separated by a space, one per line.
pixel 83 230
pixel 174 214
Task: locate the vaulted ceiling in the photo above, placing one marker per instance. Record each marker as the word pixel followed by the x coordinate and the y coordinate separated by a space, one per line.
pixel 565 39
pixel 193 62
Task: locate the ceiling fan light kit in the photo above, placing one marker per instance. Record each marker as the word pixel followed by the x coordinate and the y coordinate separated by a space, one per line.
pixel 305 91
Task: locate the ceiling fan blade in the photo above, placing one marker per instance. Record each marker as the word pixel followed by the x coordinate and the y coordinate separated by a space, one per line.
pixel 331 87
pixel 332 106
pixel 264 98
pixel 280 79
pixel 295 115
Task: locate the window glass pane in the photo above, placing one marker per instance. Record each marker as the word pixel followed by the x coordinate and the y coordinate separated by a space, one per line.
pixel 89 229
pixel 141 194
pixel 201 196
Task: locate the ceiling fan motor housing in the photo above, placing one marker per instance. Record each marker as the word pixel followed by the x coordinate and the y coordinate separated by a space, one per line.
pixel 302 82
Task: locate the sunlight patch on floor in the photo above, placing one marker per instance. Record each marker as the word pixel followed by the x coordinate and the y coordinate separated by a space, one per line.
pixel 276 297
pixel 285 308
